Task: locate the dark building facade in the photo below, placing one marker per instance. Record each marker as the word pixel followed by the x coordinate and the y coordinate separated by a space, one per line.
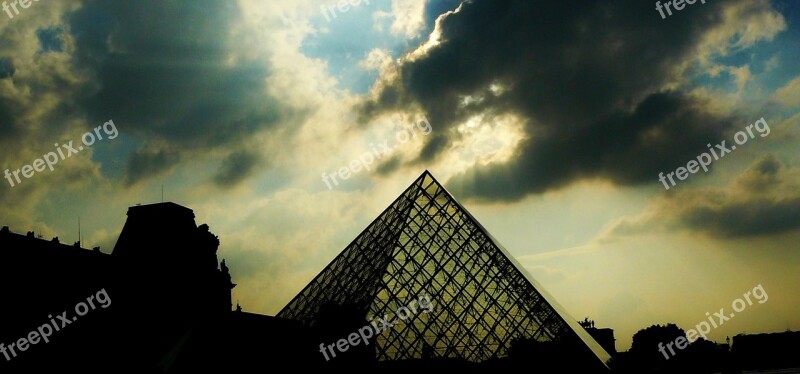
pixel 766 351
pixel 161 281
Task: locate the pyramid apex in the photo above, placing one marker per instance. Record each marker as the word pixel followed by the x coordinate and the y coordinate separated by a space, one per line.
pixel 427 173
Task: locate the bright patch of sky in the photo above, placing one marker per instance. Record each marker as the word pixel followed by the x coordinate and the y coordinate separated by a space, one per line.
pixel 772 63
pixel 346 39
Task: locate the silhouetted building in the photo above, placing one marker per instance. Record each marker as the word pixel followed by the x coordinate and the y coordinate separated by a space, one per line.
pixel 162 281
pixel 603 336
pixel 41 279
pixel 767 351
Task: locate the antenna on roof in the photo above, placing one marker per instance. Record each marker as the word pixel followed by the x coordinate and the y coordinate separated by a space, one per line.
pixel 79 229
pixel 162 192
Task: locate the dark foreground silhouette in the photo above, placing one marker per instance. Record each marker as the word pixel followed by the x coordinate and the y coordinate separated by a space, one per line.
pixel 161 303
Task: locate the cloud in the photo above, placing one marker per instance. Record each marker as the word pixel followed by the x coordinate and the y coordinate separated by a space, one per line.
pixel 235 168
pixel 51 39
pixel 627 148
pixel 272 259
pixel 375 59
pixel 8 122
pixel 179 78
pixel 741 75
pixel 6 68
pixel 593 83
pixel 741 24
pixel 388 166
pixel 788 95
pixel 149 162
pixel 748 218
pixel 762 201
pixel 409 17
pixel 38 90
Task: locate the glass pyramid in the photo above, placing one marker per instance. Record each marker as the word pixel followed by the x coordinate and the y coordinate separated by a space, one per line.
pixel 426 243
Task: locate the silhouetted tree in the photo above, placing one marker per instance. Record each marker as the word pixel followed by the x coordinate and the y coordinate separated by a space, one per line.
pixel 644 355
pixel 701 356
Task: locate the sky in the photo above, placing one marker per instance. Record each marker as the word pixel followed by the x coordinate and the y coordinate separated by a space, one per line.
pixel 288 126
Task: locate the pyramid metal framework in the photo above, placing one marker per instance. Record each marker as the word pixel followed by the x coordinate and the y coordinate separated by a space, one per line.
pixel 426 243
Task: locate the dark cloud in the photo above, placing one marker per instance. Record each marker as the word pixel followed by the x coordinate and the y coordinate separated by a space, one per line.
pixel 764 175
pixel 388 166
pixel 51 39
pixel 146 163
pixel 435 8
pixel 748 218
pixel 585 77
pixel 9 112
pixel 235 168
pixel 7 68
pixel 435 144
pixel 8 127
pixel 762 201
pixel 664 131
pixel 169 75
